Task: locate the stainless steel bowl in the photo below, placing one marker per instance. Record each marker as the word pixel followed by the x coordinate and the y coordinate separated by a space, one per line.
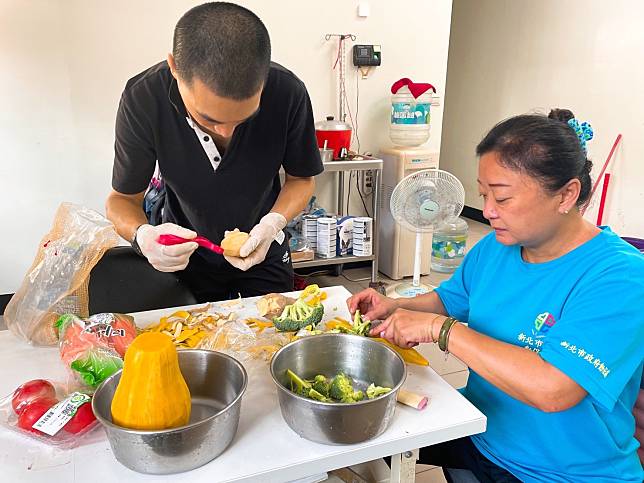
pixel 365 360
pixel 216 382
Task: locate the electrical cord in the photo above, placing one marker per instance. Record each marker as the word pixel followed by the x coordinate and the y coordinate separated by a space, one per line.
pixel 313 274
pixel 364 205
pixel 355 279
pixel 348 192
pixel 357 108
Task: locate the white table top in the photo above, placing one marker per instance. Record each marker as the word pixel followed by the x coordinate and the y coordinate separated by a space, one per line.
pixel 264 449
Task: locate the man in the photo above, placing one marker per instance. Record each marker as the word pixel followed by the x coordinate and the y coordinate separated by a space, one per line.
pixel 219 119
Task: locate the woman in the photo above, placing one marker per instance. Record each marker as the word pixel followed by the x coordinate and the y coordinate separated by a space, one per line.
pixel 555 334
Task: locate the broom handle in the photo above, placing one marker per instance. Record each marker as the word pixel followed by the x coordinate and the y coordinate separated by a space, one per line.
pixel 600 214
pixel 601 174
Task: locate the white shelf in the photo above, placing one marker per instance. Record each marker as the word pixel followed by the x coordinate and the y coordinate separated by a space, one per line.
pixel 318 261
pixel 353 165
pixel 340 167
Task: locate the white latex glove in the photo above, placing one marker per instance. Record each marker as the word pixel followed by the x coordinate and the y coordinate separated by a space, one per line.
pixel 170 258
pixel 259 241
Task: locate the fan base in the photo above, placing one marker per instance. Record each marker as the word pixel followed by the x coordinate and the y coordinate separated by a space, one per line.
pixel 410 290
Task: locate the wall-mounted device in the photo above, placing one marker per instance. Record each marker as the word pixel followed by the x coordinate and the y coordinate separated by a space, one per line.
pixel 366 55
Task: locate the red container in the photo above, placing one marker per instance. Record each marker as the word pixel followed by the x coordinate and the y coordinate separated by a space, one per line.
pixel 337 135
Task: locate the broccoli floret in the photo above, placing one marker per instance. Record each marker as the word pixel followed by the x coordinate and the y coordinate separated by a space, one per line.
pixel 341 389
pixel 355 397
pixel 340 386
pixel 310 389
pixel 317 396
pixel 321 385
pixel 374 391
pixel 360 326
pixel 298 385
pixel 298 315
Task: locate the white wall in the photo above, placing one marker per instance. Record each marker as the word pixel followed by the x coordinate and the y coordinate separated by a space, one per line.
pixel 65 62
pixel 508 57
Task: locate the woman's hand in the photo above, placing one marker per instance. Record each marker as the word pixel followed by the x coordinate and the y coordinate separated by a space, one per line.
pixel 371 304
pixel 407 328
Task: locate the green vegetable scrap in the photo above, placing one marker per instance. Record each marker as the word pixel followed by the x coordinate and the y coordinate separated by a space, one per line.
pixel 360 326
pixel 305 388
pixel 374 391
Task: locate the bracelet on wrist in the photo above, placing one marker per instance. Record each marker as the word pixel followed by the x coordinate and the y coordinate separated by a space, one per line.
pixel 443 336
pixel 431 328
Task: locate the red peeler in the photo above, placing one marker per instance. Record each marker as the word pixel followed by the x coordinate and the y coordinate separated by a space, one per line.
pixel 200 240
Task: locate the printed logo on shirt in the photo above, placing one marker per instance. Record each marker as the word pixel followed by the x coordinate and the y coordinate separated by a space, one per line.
pixel 543 322
pixel 286 257
pixel 589 357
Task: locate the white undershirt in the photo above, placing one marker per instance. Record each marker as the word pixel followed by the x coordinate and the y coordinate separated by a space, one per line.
pixel 210 148
pixel 207 143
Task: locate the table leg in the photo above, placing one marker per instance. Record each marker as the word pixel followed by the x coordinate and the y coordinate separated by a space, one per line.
pixel 403 467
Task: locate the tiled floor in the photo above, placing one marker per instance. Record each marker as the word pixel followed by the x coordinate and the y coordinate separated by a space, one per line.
pixel 452 370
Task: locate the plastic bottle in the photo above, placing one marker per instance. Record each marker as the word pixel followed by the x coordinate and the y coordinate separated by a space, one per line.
pixel 448 245
pixel 410 118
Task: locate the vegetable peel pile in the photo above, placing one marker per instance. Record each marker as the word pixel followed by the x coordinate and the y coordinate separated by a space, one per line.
pixel 187 328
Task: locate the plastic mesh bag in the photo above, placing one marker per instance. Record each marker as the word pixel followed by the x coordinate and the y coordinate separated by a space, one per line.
pixel 94 348
pixel 57 281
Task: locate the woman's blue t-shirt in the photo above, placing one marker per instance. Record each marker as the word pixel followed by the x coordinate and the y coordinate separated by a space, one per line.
pixel 584 314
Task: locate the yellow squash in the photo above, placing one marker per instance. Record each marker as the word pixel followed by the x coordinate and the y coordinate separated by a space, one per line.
pixel 409 355
pixel 152 394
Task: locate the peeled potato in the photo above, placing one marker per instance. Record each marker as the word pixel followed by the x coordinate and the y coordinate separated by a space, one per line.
pixel 233 241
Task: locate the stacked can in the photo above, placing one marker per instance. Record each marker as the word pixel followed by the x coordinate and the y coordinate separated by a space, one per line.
pixel 362 236
pixel 310 230
pixel 327 234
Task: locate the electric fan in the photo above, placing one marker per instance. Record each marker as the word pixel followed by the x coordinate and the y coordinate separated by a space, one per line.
pixel 420 202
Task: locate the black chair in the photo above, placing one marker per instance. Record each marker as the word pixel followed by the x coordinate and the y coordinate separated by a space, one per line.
pixel 124 282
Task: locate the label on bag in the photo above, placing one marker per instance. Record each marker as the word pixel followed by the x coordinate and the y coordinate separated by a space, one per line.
pixel 59 415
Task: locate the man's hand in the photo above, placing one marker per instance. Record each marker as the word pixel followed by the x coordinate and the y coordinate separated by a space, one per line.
pixel 164 258
pixel 259 241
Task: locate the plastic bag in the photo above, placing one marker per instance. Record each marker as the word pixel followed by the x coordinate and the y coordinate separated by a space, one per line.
pixel 49 412
pixel 294 227
pixel 244 343
pixel 57 281
pixel 94 348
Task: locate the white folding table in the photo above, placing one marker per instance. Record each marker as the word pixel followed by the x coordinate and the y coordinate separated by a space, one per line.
pixel 265 449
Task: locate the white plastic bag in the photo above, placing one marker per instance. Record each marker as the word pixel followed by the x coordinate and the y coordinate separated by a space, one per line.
pixel 58 279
